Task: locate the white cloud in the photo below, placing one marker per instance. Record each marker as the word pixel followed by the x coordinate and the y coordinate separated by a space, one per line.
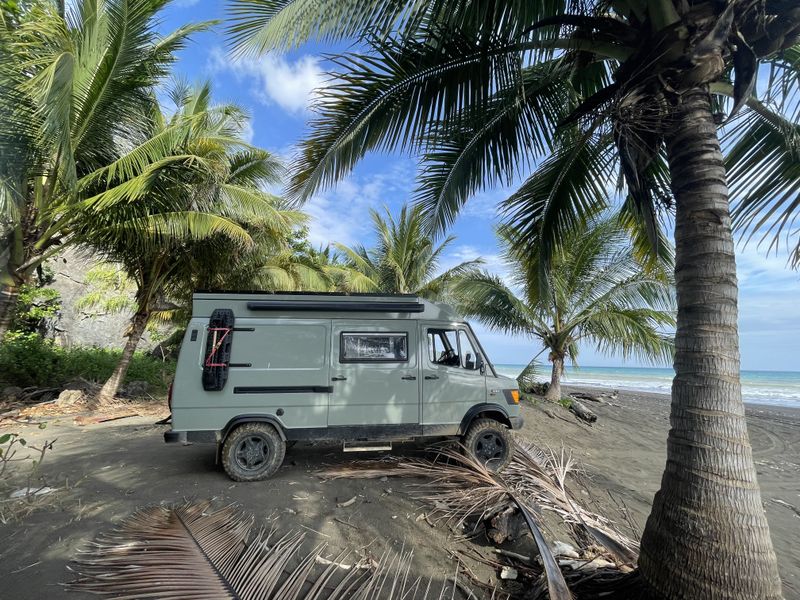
pixel 291 85
pixel 341 214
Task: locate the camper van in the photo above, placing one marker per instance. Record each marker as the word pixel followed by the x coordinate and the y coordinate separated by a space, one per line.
pixel 258 371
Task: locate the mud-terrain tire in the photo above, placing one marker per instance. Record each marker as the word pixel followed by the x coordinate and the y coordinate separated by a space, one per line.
pixel 489 442
pixel 252 452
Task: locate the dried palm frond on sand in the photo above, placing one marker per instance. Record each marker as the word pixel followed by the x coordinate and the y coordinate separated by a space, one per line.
pixel 195 551
pixel 460 489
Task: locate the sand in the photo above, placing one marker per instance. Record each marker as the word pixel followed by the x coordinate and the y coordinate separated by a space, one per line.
pixel 104 472
pixel 625 450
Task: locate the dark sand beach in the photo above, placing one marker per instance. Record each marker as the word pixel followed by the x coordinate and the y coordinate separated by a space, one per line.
pixel 104 472
pixel 624 453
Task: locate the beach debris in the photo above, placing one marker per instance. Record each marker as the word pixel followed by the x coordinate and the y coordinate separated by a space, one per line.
pixel 226 555
pixel 586 396
pixel 507 525
pixel 508 573
pixel 514 555
pixel 344 566
pixel 564 549
pixel 347 503
pixel 580 411
pixel 586 565
pixel 31 491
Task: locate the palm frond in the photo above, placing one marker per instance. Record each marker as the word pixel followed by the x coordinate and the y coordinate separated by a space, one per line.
pixel 567 190
pixel 389 100
pixel 196 551
pixel 763 167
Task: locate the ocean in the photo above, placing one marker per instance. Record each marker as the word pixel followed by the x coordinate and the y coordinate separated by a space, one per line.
pixel 779 388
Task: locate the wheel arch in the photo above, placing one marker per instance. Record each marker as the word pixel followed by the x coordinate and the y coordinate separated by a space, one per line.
pixel 242 419
pixel 485 411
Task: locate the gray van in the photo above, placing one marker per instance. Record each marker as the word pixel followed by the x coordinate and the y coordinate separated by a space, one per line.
pixel 258 370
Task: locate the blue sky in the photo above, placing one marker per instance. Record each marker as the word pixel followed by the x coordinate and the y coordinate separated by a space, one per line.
pixel 276 90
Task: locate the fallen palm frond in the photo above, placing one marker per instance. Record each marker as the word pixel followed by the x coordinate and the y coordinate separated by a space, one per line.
pixel 195 551
pixel 461 489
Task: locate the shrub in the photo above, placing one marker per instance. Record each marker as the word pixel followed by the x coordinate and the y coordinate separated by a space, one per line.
pixel 28 360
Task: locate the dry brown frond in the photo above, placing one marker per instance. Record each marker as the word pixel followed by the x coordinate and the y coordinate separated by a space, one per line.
pixel 196 551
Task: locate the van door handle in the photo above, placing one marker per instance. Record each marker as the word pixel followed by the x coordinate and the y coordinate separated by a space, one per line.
pixel 338 378
pixel 409 378
pixel 431 377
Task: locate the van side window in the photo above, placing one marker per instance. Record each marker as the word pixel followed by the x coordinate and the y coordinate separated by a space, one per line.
pixel 469 358
pixel 373 347
pixel 443 347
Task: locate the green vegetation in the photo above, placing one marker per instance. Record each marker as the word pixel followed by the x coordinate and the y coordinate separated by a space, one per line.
pixel 77 98
pixel 597 291
pixel 405 261
pixel 26 359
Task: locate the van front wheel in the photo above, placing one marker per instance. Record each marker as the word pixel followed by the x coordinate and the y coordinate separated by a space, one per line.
pixel 490 443
pixel 252 452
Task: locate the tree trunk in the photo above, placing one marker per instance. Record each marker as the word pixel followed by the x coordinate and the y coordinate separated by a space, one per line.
pixel 554 391
pixel 707 535
pixel 8 303
pixel 111 387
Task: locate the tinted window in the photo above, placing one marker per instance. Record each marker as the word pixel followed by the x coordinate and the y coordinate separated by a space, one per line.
pixel 374 347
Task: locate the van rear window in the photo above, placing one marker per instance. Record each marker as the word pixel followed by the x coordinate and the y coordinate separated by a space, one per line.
pixel 374 347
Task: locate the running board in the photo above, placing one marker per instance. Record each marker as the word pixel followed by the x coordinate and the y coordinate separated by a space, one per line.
pixel 362 446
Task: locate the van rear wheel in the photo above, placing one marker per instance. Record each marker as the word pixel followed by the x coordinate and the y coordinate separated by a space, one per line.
pixel 252 452
pixel 490 443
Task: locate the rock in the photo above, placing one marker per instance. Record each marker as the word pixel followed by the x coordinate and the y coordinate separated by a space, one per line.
pixel 508 573
pixel 12 392
pixel 79 383
pixel 564 549
pixel 135 389
pixel 70 397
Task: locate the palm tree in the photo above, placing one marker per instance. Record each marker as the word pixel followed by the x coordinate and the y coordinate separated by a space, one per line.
pixel 598 292
pixel 568 96
pixel 74 94
pixel 405 260
pixel 186 217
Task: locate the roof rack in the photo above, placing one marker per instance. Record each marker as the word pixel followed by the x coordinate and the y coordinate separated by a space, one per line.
pixel 322 294
pixel 337 306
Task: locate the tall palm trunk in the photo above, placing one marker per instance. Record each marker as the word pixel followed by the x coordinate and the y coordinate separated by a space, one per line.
pixel 8 302
pixel 554 391
pixel 111 386
pixel 707 535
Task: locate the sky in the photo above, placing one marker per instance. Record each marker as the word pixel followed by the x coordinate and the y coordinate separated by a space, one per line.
pixel 277 91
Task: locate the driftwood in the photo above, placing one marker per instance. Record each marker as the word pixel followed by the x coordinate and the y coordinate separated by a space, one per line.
pixel 585 396
pixel 582 412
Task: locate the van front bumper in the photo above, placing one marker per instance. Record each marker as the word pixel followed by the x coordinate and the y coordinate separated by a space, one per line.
pixel 516 422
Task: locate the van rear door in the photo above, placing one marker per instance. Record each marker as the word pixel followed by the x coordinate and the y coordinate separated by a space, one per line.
pixel 374 373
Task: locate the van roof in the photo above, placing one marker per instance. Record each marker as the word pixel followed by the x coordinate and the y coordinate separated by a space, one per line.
pixel 321 305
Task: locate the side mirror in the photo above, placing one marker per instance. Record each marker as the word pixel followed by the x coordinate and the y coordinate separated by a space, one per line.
pixel 481 366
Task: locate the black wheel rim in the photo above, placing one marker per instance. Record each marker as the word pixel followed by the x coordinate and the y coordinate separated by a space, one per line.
pixel 251 453
pixel 489 447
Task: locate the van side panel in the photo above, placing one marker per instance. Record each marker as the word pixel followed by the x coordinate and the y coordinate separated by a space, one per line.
pixel 382 389
pixel 278 367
